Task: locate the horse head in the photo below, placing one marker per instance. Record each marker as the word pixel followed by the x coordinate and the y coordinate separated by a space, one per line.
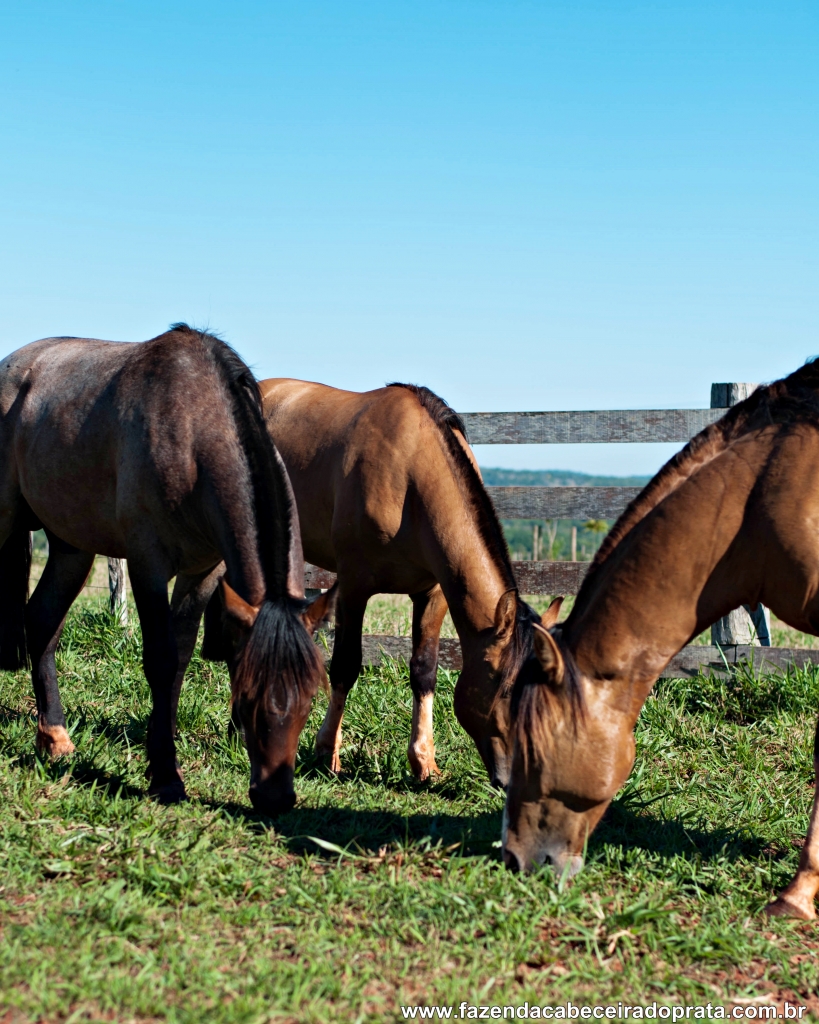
pixel 275 671
pixel 482 696
pixel 573 748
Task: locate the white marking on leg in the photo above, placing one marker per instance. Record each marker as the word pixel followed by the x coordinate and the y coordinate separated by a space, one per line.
pixel 328 741
pixel 422 741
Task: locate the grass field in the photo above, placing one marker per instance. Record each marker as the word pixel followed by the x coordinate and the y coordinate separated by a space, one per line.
pixel 113 908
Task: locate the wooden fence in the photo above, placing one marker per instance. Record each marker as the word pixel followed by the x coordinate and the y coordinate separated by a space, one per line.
pixel 731 634
pixel 543 577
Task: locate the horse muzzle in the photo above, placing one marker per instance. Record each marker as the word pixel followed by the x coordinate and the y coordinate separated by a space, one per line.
pixel 271 803
pixel 272 794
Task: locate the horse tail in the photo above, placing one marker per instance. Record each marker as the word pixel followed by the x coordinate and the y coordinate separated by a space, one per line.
pixel 15 569
pixel 276 519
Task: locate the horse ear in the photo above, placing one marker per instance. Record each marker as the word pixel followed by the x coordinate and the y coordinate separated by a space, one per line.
pixel 320 609
pixel 236 608
pixel 549 617
pixel 505 615
pixel 548 654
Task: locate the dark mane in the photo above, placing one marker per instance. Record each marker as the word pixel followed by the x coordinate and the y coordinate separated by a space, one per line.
pixel 279 647
pixel 448 421
pixel 535 702
pixel 489 527
pixel 270 494
pixel 794 398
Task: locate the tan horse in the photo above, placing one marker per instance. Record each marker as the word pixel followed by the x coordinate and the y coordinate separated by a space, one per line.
pixel 390 498
pixel 730 520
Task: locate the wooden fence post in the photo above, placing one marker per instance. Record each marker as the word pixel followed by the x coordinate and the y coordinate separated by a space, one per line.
pixel 741 626
pixel 117 601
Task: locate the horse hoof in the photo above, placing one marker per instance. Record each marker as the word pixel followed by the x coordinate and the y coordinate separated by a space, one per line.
pixel 170 793
pixel 53 740
pixel 330 757
pixel 422 765
pixel 784 908
pixel 424 772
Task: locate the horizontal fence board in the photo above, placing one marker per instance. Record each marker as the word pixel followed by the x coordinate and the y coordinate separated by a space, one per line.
pixel 532 577
pixel 318 578
pixel 549 577
pixel 688 662
pixel 561 502
pixel 593 427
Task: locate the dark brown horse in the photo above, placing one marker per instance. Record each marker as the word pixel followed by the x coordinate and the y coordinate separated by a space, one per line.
pixel 158 453
pixel 730 520
pixel 390 497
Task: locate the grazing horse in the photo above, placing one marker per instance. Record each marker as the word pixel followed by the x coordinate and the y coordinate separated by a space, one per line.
pixel 730 520
pixel 157 452
pixel 390 498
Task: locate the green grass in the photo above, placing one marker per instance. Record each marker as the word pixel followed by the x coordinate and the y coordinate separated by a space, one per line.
pixel 112 907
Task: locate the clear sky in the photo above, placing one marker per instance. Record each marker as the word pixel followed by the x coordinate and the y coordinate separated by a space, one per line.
pixel 522 205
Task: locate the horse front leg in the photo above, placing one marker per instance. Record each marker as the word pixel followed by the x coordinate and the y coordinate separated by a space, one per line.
pixel 797 899
pixel 160 662
pixel 428 611
pixel 63 578
pixel 345 667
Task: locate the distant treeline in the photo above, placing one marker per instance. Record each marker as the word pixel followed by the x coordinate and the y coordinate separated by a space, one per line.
pixel 556 478
pixel 554 536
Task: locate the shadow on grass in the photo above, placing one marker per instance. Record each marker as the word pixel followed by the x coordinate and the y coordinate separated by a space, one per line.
pixel 367 831
pixel 672 837
pixel 83 769
pixel 627 824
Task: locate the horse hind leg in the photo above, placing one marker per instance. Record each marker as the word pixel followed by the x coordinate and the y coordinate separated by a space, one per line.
pixel 797 899
pixel 345 667
pixel 15 568
pixel 65 574
pixel 428 611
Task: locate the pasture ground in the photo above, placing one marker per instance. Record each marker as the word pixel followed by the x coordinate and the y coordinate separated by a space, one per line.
pixel 113 908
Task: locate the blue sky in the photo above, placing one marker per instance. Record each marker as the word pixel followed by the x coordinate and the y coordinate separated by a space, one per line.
pixel 522 205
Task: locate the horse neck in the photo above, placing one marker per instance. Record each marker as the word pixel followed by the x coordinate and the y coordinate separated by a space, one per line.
pixel 469 572
pixel 678 570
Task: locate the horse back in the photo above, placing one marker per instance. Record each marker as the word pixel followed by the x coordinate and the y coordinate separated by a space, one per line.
pixel 373 484
pixel 101 436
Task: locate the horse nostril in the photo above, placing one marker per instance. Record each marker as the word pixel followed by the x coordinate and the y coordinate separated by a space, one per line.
pixel 510 860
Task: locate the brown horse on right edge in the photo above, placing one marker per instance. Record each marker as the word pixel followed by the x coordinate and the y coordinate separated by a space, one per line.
pixel 390 497
pixel 731 520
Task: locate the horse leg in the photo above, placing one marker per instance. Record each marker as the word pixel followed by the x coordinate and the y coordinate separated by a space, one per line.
pixel 64 576
pixel 160 662
pixel 428 611
pixel 345 667
pixel 190 598
pixel 796 899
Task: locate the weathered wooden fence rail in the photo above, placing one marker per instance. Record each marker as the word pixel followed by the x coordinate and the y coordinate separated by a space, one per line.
pixel 594 427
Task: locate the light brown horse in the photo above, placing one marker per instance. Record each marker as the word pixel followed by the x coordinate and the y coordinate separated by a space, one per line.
pixel 730 520
pixel 390 498
pixel 157 452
